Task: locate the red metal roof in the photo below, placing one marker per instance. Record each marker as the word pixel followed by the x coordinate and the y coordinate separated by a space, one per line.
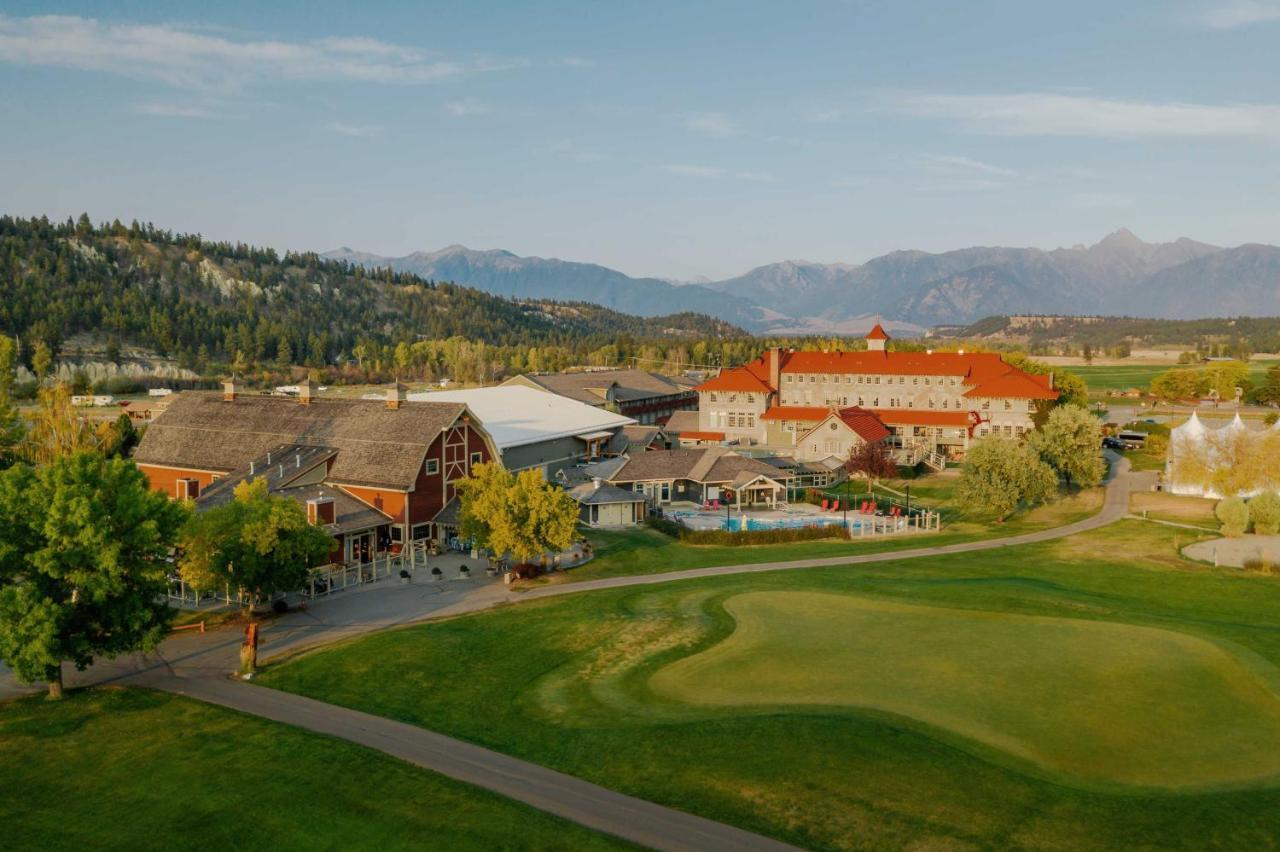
pixel 1014 384
pixel 752 377
pixel 917 417
pixel 862 421
pixel 701 436
pixel 877 333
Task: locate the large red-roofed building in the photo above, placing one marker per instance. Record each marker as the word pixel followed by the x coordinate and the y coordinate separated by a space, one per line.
pixel 936 401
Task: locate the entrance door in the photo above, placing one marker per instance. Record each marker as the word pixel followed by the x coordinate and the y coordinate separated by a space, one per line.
pixel 361 545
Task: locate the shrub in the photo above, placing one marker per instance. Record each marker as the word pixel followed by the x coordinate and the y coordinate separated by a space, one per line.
pixel 1264 511
pixel 1233 514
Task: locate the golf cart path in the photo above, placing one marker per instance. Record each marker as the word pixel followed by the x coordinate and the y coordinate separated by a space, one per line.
pixel 197 666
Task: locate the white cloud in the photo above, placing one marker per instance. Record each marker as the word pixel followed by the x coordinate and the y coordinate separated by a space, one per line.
pixel 1051 114
pixel 177 110
pixel 750 175
pixel 953 163
pixel 695 171
pixel 189 57
pixel 1240 13
pixel 711 123
pixel 466 107
pixel 357 131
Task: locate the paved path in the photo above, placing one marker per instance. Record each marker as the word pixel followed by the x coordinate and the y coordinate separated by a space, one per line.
pixel 196 665
pixel 632 819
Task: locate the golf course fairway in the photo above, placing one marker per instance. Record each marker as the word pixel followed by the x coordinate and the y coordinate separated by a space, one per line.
pixel 1097 700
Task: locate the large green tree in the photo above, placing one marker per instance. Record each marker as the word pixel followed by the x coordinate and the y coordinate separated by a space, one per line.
pixel 82 564
pixel 1070 441
pixel 259 543
pixel 520 514
pixel 1000 475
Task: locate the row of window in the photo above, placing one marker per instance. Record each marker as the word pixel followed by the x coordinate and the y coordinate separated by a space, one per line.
pixel 850 379
pixel 1007 431
pixel 732 397
pixel 433 465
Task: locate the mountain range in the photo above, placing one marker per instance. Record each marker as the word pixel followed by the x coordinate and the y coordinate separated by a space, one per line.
pixel 1119 275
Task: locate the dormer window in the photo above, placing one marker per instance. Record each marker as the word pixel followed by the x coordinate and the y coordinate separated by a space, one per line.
pixel 433 466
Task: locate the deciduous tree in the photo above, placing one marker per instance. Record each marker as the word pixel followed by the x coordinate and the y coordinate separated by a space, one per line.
pixel 83 543
pixel 1264 511
pixel 871 459
pixel 1233 515
pixel 519 514
pixel 1000 475
pixel 1070 441
pixel 259 543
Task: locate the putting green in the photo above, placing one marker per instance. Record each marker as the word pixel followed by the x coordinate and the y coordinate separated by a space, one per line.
pixel 1096 700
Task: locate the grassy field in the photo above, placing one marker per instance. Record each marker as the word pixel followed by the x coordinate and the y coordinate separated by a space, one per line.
pixel 644 551
pixel 1109 378
pixel 1172 507
pixel 129 769
pixel 1096 692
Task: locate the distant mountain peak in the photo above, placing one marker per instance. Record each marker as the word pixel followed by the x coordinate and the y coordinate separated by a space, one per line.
pixel 1122 237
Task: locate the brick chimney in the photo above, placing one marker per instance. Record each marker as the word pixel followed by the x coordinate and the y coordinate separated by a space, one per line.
pixel 397 395
pixel 774 357
pixel 229 390
pixel 307 392
pixel 321 511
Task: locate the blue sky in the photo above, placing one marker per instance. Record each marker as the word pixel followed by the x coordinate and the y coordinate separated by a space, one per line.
pixel 670 139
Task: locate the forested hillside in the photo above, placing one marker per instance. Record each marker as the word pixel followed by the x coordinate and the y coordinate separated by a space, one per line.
pixel 209 305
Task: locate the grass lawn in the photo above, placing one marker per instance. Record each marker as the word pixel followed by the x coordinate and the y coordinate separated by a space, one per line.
pixel 1103 379
pixel 1095 692
pixel 1164 506
pixel 641 550
pixel 132 769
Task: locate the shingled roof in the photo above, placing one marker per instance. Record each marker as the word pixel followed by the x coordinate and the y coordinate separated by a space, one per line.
pixel 592 386
pixel 701 464
pixel 376 446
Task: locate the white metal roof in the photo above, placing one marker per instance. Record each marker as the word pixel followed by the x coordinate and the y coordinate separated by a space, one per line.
pixel 516 416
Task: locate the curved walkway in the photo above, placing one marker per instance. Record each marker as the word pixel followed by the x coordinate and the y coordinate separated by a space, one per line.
pixel 197 666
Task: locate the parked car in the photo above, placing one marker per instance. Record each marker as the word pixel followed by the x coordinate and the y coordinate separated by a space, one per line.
pixel 1110 443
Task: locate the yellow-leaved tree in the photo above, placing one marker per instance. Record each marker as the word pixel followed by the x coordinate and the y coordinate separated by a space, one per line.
pixel 518 514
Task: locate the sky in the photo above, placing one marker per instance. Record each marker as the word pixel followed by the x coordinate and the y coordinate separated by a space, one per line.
pixel 673 139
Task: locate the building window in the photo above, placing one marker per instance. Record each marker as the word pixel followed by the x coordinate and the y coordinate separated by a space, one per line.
pixel 787 378
pixel 986 405
pixel 713 396
pixel 1008 406
pixel 476 459
pixel 433 466
pixel 420 531
pixel 397 534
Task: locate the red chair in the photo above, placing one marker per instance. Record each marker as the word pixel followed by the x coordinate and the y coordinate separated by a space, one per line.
pixel 824 504
pixel 835 505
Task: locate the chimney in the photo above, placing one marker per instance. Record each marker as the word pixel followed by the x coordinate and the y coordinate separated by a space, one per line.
pixel 306 392
pixel 229 390
pixel 187 489
pixel 596 482
pixel 321 511
pixel 397 395
pixel 775 368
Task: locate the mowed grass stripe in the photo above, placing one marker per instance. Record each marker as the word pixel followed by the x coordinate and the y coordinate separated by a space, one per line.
pixel 1103 701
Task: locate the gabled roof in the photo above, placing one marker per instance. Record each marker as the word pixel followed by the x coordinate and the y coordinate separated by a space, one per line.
pixel 592 386
pixel 376 446
pixel 589 494
pixel 682 421
pixel 700 464
pixel 863 423
pixel 516 415
pixel 877 333
pixel 1012 385
pixel 695 435
pixel 743 379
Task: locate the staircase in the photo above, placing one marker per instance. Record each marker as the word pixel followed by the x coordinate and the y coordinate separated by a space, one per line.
pixel 935 460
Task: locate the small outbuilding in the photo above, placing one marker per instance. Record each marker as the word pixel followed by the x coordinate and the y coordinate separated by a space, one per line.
pixel 604 505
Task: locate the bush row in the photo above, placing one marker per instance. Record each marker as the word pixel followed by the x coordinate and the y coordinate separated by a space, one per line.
pixel 1263 512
